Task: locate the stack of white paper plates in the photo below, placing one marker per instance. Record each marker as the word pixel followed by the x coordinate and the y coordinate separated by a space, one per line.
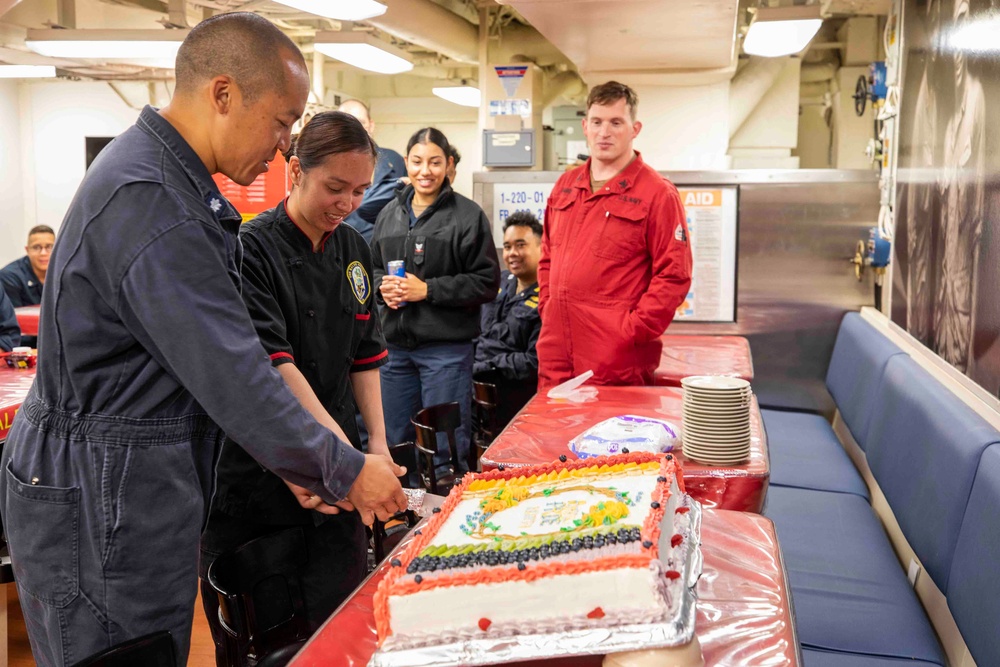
pixel 716 425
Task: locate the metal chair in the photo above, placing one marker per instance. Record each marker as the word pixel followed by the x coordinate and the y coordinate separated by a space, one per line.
pixel 153 650
pixel 442 418
pixel 261 603
pixel 484 417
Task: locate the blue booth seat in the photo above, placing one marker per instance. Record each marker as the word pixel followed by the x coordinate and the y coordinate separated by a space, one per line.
pixel 860 355
pixel 974 584
pixel 849 592
pixel 816 658
pixel 924 449
pixel 806 454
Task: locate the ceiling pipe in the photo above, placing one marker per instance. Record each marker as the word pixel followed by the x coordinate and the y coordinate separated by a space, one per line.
pixel 66 13
pixel 431 26
pixel 748 88
pixel 6 5
pixel 177 13
pixel 519 43
pixel 565 84
pixel 814 73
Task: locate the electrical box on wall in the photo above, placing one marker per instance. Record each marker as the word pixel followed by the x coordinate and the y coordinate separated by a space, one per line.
pixel 508 149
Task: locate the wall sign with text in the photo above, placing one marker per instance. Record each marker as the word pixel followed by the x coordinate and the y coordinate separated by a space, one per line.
pixel 711 219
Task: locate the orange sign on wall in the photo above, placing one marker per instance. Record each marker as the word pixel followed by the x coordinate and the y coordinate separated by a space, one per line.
pixel 702 197
pixel 265 192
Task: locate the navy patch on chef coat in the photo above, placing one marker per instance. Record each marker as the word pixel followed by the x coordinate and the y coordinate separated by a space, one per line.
pixel 360 284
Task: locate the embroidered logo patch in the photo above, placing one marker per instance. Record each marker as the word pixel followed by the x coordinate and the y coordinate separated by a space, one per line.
pixel 679 234
pixel 360 284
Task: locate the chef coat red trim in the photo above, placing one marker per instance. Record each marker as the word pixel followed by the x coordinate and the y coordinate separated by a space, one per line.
pixel 370 360
pixel 282 355
pixel 364 317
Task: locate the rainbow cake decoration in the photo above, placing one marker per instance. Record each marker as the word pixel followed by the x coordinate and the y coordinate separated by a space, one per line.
pixel 566 546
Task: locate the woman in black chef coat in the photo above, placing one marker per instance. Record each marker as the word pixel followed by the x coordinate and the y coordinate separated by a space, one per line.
pixel 307 283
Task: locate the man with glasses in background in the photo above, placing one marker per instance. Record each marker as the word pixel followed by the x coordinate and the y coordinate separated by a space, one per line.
pixel 24 278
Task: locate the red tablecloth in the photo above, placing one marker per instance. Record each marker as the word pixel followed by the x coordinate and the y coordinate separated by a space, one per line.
pixel 543 429
pixel 702 355
pixel 744 616
pixel 14 386
pixel 27 319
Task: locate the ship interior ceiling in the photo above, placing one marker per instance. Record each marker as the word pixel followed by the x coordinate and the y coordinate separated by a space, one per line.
pixel 842 208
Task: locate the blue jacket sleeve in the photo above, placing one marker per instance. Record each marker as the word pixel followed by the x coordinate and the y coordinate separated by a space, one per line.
pixel 10 332
pixel 388 171
pixel 11 280
pixel 179 298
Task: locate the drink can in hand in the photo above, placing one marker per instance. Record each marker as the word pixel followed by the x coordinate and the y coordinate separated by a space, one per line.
pixel 397 267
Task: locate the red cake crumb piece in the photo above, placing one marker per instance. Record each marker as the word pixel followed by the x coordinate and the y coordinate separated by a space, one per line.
pixel 682 510
pixel 675 540
pixel 596 612
pixel 673 574
pixel 484 624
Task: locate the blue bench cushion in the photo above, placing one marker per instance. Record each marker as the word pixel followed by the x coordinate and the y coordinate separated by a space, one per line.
pixel 806 454
pixel 848 590
pixel 815 658
pixel 859 357
pixel 924 448
pixel 974 589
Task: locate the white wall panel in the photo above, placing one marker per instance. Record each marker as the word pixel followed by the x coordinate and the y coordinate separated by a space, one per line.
pixel 12 229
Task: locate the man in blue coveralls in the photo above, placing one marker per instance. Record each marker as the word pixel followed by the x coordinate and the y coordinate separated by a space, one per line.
pixel 389 168
pixel 148 356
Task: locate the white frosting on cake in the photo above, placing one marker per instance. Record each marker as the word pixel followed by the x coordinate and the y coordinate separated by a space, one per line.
pixel 572 596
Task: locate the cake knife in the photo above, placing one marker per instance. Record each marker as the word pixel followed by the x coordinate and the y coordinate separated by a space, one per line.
pixel 422 503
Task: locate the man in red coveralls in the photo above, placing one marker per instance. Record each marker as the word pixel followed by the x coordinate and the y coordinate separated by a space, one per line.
pixel 616 262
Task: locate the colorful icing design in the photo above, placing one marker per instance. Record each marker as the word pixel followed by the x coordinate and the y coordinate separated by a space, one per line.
pixel 499 554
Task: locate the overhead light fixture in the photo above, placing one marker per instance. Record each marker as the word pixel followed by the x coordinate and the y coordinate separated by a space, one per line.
pixel 362 50
pixel 27 72
pixel 782 31
pixel 467 96
pixel 342 10
pixel 127 45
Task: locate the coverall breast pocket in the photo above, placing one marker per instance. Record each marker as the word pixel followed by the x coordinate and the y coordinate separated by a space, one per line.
pixel 43 526
pixel 623 231
pixel 558 211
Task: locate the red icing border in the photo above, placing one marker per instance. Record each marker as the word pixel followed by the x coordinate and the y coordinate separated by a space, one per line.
pixel 650 532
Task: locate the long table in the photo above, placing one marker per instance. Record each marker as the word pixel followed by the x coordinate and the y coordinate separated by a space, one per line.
pixel 27 319
pixel 14 386
pixel 744 611
pixel 685 355
pixel 541 431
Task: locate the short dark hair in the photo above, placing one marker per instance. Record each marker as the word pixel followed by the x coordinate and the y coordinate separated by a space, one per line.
pixel 241 45
pixel 523 219
pixel 612 91
pixel 330 133
pixel 430 135
pixel 455 155
pixel 41 229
